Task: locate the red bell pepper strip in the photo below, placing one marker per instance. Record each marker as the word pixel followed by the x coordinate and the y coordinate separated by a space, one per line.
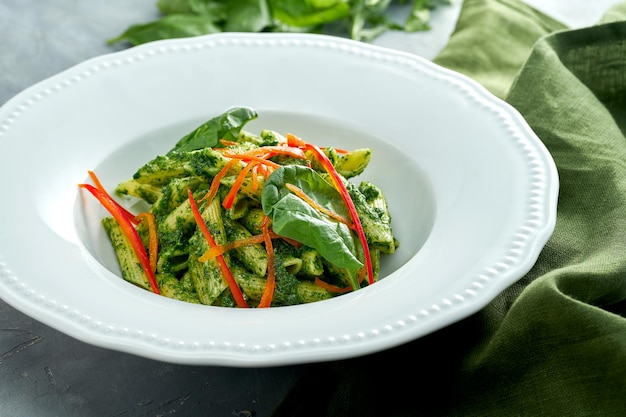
pixel 228 276
pixel 293 140
pixel 245 157
pixel 129 230
pixel 130 216
pixel 273 150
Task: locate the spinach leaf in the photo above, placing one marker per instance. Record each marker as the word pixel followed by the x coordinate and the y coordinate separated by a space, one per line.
pixel 362 20
pixel 190 6
pixel 369 20
pixel 309 13
pixel 294 218
pixel 247 16
pixel 168 27
pixel 225 126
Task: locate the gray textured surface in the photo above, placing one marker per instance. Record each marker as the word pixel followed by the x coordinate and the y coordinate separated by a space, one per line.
pixel 40 38
pixel 46 373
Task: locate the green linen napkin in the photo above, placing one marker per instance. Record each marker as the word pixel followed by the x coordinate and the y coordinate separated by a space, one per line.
pixel 554 343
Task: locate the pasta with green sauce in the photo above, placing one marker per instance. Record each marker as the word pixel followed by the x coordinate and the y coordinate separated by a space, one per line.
pixel 238 219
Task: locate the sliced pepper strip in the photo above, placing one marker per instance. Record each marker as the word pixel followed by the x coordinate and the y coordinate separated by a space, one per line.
pixel 293 140
pixel 246 157
pixel 130 216
pixel 264 170
pixel 298 192
pixel 128 229
pixel 217 250
pixel 273 150
pixel 153 241
pixel 228 276
pixel 332 288
pixel 215 184
pixel 230 197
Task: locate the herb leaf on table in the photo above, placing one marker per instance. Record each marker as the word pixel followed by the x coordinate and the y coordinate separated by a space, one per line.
pixel 362 20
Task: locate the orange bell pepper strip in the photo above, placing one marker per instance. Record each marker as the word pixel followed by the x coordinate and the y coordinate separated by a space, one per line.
pixel 153 241
pixel 230 197
pixel 215 184
pixel 298 192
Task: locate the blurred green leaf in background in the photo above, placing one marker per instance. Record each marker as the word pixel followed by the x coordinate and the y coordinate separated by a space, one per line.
pixel 361 20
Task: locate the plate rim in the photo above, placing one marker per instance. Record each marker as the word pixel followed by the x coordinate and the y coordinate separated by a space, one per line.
pixel 289 353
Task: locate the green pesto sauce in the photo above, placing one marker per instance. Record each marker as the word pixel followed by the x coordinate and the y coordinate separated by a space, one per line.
pixel 286 283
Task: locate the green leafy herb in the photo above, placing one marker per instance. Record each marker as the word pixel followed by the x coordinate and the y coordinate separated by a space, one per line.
pixel 361 20
pixel 208 135
pixel 168 27
pixel 294 218
pixel 309 13
pixel 419 18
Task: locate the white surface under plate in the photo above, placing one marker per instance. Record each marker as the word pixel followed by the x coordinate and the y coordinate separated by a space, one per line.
pixel 471 189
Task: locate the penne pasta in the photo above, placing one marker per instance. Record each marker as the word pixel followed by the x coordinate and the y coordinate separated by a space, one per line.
pixel 280 222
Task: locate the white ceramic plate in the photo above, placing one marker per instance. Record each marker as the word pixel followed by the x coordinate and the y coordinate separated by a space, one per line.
pixel 471 189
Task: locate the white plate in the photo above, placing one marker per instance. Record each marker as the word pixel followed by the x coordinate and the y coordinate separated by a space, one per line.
pixel 471 189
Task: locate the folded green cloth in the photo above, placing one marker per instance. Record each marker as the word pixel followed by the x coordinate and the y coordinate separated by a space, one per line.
pixel 554 343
